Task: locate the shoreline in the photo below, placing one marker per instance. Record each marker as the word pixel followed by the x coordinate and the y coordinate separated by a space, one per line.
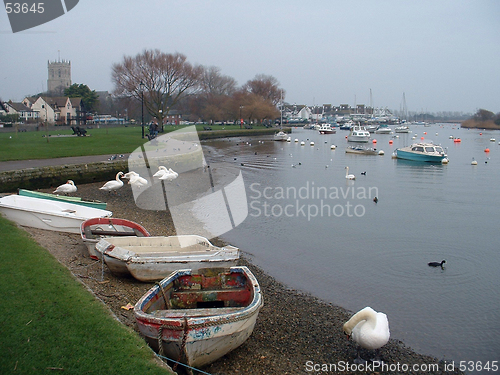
pixel 295 332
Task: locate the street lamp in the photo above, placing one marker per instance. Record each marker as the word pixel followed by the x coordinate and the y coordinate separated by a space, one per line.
pixel 141 85
pixel 241 119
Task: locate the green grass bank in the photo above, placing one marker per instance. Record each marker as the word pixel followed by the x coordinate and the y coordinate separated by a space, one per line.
pixel 102 141
pixel 50 323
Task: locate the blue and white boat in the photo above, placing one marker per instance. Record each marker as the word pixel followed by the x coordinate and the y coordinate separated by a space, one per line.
pixel 426 152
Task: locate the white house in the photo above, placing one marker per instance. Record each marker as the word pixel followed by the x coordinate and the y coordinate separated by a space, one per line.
pixel 45 110
pixel 25 113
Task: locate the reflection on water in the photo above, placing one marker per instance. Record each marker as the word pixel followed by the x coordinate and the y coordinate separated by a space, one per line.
pixel 378 255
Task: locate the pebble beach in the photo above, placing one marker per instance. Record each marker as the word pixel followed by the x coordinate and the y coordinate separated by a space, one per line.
pixel 295 333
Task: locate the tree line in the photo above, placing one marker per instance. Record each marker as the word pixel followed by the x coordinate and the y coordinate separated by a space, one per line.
pixel 163 82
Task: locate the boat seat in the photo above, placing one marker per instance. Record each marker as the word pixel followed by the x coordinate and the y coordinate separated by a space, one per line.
pixel 191 297
pixel 180 313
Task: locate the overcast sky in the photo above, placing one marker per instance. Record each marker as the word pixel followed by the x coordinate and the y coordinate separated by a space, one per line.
pixel 443 54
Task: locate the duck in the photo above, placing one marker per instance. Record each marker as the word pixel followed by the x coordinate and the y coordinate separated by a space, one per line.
pixel 67 188
pixel 369 329
pixel 169 175
pixel 113 184
pixel 437 264
pixel 349 176
pixel 135 179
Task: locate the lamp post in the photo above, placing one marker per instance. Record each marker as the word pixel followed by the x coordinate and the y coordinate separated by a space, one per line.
pixel 141 85
pixel 241 119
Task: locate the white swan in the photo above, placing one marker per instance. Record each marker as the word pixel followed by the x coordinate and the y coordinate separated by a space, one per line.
pixel 135 179
pixel 368 328
pixel 67 188
pixel 113 184
pixel 161 171
pixel 169 175
pixel 349 176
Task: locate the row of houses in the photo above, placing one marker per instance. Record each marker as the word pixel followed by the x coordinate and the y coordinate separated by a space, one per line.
pixel 52 110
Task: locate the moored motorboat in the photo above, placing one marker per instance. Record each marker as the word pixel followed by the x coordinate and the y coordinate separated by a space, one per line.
pixel 92 230
pixel 153 258
pixel 358 134
pixel 280 136
pixel 383 129
pixel 362 151
pixel 402 129
pixel 48 214
pixel 197 317
pixel 426 152
pixel 62 198
pixel 326 129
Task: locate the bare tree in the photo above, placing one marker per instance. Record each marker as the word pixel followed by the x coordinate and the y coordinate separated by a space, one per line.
pixel 213 83
pixel 163 79
pixel 266 87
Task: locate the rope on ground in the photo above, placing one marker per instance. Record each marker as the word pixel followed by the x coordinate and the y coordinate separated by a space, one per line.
pixel 183 364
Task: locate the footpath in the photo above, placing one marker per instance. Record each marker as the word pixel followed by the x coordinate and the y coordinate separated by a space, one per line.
pixel 39 173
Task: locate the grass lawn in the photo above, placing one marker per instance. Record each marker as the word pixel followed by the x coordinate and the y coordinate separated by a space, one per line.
pixel 50 323
pixel 103 141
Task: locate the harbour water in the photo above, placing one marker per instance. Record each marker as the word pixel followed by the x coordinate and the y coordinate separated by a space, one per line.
pixel 314 230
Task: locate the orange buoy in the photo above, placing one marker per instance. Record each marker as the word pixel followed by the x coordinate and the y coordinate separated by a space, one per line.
pixel 486 150
pixel 391 142
pixel 374 141
pixel 425 133
pixel 422 138
pixel 480 133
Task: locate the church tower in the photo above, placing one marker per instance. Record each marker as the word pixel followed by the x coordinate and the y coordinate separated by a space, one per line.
pixel 59 76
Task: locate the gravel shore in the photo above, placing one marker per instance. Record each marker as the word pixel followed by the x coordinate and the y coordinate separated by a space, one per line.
pixel 295 333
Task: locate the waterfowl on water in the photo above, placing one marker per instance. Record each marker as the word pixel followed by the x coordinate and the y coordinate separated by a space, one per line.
pixel 437 264
pixel 349 176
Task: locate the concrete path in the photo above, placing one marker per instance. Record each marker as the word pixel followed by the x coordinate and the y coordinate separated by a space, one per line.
pixel 22 164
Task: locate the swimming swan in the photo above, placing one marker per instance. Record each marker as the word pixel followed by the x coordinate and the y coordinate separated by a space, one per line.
pixel 161 171
pixel 349 176
pixel 67 188
pixel 368 328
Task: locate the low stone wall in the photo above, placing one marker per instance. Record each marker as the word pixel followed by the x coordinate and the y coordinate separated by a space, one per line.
pixel 53 176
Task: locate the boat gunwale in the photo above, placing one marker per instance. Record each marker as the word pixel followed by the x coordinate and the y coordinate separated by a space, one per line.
pixel 194 322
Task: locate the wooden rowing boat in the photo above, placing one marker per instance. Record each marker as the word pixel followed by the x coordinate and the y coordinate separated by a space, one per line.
pixel 153 258
pixel 48 214
pixel 94 229
pixel 197 317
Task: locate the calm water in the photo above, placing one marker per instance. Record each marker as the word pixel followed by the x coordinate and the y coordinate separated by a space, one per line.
pixel 317 232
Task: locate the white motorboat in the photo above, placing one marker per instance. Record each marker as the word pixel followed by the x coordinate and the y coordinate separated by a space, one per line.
pixel 402 129
pixel 48 214
pixel 383 129
pixel 281 136
pixel 94 229
pixel 358 134
pixel 326 129
pixel 196 317
pixel 153 258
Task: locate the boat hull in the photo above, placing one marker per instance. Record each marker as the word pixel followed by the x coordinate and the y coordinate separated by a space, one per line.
pixel 358 138
pixel 199 336
pixel 153 258
pixel 94 229
pixel 47 214
pixel 408 155
pixel 62 198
